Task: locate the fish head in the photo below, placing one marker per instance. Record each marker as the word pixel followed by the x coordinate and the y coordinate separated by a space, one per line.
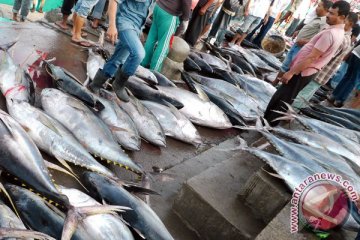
pixel 94 183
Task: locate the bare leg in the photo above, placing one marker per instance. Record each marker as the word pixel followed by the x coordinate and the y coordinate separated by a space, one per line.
pixel 63 23
pixel 15 17
pixel 95 23
pixel 78 24
pixel 236 37
pixel 206 29
pixel 41 6
pixel 241 38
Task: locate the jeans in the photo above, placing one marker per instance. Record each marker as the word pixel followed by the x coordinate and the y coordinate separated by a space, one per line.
pixel 98 9
pixel 289 57
pixel 129 51
pixel 249 24
pixel 334 81
pixel 349 81
pixel 306 94
pixel 83 7
pixel 24 5
pixel 263 31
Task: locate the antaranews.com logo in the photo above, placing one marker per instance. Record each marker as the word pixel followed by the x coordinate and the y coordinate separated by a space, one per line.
pixel 321 201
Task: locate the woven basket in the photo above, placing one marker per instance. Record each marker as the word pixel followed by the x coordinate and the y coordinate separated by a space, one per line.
pixel 274 44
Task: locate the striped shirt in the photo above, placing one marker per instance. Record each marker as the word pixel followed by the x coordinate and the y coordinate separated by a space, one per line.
pixel 330 69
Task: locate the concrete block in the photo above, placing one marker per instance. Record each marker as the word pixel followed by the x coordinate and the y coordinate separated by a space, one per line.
pixel 279 229
pixel 265 195
pixel 208 202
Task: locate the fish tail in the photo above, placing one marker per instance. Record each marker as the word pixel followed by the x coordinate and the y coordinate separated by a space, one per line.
pixel 21 233
pixel 77 214
pixel 5 47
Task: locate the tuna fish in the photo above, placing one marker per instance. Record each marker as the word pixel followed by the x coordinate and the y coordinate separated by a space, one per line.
pixel 12 228
pixel 15 83
pixel 142 217
pixel 205 67
pixel 146 123
pixel 88 129
pixel 162 80
pixel 198 108
pixel 117 120
pixel 53 138
pixel 100 226
pixel 174 123
pixel 146 74
pixel 67 83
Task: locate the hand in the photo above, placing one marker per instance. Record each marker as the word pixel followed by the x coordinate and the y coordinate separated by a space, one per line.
pixel 246 12
pixel 301 42
pixel 202 11
pixel 182 28
pixel 286 77
pixel 112 33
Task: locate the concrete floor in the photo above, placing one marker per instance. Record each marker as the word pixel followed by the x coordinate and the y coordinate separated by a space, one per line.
pixel 70 57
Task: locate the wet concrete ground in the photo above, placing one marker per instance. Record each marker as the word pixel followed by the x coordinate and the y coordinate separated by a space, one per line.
pixel 33 37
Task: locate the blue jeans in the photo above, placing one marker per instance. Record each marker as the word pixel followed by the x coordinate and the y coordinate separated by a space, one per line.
pixel 98 9
pixel 24 5
pixel 289 57
pixel 83 7
pixel 349 81
pixel 334 81
pixel 263 31
pixel 129 51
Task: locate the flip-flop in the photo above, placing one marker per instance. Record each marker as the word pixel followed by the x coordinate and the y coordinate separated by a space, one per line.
pixel 83 43
pixel 59 25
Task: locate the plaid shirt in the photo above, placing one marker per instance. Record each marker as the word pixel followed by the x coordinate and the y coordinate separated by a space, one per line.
pixel 330 69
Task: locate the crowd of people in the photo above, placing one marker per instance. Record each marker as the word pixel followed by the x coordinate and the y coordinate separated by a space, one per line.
pixel 324 35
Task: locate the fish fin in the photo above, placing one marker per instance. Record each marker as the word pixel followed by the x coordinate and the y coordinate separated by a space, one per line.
pixel 9 128
pixel 7 46
pixel 141 190
pixel 47 122
pixel 76 104
pixel 117 129
pixel 63 170
pixel 21 234
pixel 201 93
pixel 87 81
pixel 173 110
pixel 55 209
pixel 139 233
pixel 76 215
pixel 2 188
pixel 273 174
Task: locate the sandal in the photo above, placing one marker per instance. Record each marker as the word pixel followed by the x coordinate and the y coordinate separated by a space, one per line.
pixel 83 43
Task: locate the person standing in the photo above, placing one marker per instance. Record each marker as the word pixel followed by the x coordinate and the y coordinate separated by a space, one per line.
pixel 309 61
pixel 126 19
pixel 304 36
pixel 24 5
pixel 299 15
pixel 278 6
pixel 349 81
pixel 66 12
pixel 254 14
pixel 329 69
pixel 166 17
pixel 223 19
pixel 199 19
pixel 81 10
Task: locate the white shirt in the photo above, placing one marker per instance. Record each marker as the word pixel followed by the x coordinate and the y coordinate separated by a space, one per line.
pixel 303 8
pixel 259 8
pixel 311 15
pixel 279 6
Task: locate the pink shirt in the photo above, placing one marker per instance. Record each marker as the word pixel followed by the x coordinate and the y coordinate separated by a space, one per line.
pixel 327 41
